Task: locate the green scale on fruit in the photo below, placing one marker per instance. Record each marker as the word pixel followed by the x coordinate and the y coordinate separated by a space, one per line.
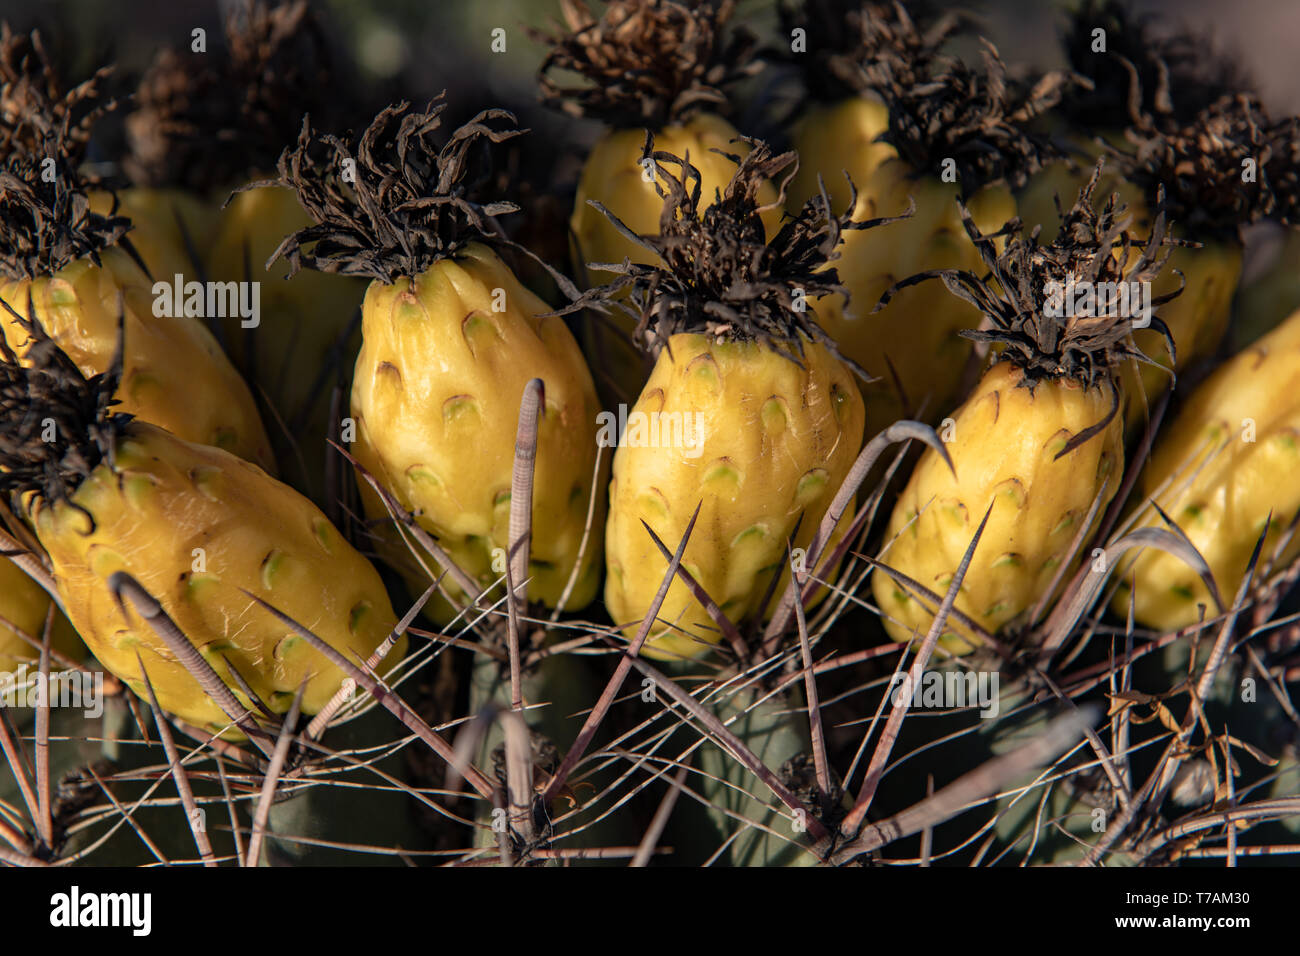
pixel 761 416
pixel 887 107
pixel 657 66
pixel 202 531
pixel 1040 440
pixel 450 340
pixel 1174 115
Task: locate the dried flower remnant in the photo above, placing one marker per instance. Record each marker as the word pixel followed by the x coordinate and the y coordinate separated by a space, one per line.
pixel 1054 387
pixel 450 341
pixel 646 63
pixel 1144 70
pixel 776 418
pixel 110 495
pixel 71 258
pixel 206 122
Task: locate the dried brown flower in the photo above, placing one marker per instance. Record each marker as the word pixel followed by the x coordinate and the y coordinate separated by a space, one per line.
pixel 1167 78
pixel 33 104
pixel 646 62
pixel 399 202
pixel 1015 293
pixel 980 119
pixel 717 275
pixel 845 38
pixel 45 217
pixel 1203 165
pixel 47 388
pixel 205 121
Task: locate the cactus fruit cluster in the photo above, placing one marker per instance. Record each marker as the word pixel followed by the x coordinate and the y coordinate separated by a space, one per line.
pixel 679 432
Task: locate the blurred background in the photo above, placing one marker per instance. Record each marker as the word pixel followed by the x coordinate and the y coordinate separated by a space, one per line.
pixel 412 49
pixel 429 45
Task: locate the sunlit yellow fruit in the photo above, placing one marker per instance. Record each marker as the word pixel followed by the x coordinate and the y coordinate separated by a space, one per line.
pixel 1003 443
pixel 755 439
pixel 914 341
pixel 444 362
pixel 24 604
pixel 174 375
pixel 1197 319
pixel 614 176
pixel 1227 460
pixel 195 525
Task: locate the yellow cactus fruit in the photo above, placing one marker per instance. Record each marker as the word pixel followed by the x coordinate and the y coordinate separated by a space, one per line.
pixel 280 62
pixel 1195 136
pixel 888 111
pixel 207 123
pixel 436 400
pixel 301 320
pixel 175 376
pixel 926 357
pixel 1040 441
pixel 654 68
pixel 768 442
pixel 24 606
pixel 748 413
pixel 1039 502
pixel 200 530
pixel 1218 471
pixel 839 136
pixel 450 339
pixel 891 345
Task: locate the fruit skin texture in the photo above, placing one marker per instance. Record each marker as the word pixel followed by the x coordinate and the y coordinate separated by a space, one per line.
pixel 1197 319
pixel 25 603
pixel 436 398
pixel 772 441
pixel 1221 501
pixel 174 374
pixel 613 176
pixel 156 233
pixel 1003 444
pixel 301 318
pixel 916 334
pixel 169 497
